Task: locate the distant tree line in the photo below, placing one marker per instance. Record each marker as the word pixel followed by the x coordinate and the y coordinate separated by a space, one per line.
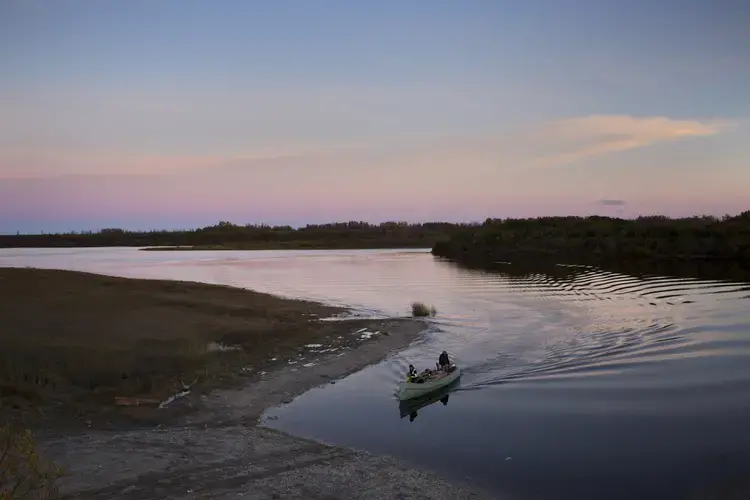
pixel 353 234
pixel 594 240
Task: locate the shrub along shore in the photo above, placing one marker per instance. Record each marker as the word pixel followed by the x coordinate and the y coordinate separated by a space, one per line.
pixel 594 240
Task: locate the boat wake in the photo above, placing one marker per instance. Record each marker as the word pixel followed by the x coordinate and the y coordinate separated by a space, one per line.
pixel 585 322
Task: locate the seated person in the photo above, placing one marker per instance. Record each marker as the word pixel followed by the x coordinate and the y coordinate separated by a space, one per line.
pixel 415 378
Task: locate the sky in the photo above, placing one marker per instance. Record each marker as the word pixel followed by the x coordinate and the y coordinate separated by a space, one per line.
pixel 180 113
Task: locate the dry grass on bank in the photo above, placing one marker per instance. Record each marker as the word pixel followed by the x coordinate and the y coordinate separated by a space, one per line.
pixel 83 338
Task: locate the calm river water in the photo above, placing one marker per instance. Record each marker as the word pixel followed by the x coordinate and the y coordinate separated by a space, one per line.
pixel 578 383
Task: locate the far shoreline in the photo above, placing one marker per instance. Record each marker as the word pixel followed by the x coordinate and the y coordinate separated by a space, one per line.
pixel 265 247
pixel 601 241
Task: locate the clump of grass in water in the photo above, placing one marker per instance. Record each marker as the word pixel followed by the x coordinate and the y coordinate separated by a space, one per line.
pixel 421 310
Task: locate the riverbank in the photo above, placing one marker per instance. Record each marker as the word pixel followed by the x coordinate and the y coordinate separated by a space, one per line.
pixel 74 342
pixel 79 330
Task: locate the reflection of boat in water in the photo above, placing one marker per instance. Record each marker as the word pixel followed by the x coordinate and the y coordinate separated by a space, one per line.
pixel 427 384
pixel 411 407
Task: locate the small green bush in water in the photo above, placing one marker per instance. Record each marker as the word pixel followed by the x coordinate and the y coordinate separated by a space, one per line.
pixel 421 310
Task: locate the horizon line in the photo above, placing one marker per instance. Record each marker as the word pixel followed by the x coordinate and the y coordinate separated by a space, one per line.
pixel 376 224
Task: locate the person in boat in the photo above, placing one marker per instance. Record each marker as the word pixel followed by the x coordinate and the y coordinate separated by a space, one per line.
pixel 443 361
pixel 414 377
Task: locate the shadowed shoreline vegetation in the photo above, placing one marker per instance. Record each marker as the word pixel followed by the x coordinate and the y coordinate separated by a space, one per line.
pixel 228 236
pixel 600 240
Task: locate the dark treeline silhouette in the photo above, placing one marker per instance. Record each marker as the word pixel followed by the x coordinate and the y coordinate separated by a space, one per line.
pixel 600 240
pixel 227 235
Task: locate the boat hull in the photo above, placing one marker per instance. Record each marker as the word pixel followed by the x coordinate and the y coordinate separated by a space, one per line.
pixel 411 406
pixel 411 390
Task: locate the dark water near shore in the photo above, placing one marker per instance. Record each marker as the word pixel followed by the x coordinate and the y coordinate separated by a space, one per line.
pixel 578 383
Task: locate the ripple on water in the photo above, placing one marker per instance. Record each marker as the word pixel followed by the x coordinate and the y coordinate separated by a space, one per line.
pixel 622 331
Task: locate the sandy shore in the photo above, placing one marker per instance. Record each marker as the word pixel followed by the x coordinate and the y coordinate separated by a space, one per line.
pixel 207 444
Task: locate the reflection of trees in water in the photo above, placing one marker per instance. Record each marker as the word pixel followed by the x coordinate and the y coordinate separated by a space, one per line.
pixel 524 268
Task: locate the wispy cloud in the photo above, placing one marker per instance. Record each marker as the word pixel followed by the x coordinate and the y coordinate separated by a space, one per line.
pixel 575 139
pixel 45 164
pixel 486 154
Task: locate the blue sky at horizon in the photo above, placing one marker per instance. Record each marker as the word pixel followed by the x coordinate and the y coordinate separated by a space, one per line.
pixel 145 114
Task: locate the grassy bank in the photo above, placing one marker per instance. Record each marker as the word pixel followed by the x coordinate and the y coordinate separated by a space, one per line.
pixel 75 341
pixel 592 240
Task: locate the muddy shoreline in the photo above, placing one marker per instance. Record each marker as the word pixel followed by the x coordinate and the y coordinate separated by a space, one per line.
pixel 210 444
pixel 369 342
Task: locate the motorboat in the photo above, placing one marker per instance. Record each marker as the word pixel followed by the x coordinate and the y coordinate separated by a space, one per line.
pixel 427 383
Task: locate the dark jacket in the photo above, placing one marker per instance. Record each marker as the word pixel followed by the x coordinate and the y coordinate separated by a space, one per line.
pixel 443 359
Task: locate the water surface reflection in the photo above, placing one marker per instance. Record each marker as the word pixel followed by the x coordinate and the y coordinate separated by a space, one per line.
pixel 576 382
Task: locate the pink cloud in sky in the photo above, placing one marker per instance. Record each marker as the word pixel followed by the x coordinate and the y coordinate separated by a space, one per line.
pixel 575 139
pixel 456 178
